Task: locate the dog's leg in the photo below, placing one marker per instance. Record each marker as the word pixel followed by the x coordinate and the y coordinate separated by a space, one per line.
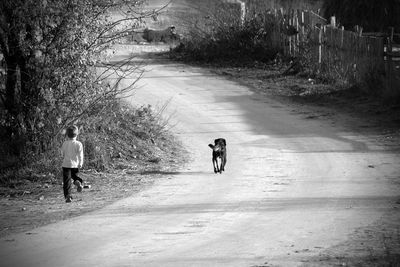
pixel 214 165
pixel 217 165
pixel 223 162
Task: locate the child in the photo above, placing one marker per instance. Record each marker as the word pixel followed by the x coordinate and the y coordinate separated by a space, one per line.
pixel 72 153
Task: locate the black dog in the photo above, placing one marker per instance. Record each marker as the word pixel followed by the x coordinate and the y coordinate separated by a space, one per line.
pixel 219 151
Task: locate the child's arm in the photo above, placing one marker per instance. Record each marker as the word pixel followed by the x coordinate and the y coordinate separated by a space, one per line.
pixel 62 150
pixel 80 155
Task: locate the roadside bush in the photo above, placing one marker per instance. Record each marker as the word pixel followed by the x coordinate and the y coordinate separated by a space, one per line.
pixel 217 34
pixel 118 132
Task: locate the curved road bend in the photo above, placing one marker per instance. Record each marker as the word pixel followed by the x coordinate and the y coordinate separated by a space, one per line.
pixel 292 188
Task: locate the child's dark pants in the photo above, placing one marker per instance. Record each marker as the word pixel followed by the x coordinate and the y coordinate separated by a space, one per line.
pixel 69 173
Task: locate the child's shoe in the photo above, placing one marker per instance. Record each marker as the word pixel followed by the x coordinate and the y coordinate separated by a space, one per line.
pixel 68 199
pixel 78 185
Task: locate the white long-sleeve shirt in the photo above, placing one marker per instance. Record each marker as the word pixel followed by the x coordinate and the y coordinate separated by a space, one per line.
pixel 72 153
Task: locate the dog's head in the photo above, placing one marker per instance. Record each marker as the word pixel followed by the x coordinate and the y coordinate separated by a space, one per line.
pixel 219 144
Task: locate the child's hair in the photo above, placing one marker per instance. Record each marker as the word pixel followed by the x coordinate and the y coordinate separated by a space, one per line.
pixel 72 131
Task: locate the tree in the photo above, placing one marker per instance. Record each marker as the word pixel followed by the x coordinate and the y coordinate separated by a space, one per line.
pixel 372 15
pixel 52 50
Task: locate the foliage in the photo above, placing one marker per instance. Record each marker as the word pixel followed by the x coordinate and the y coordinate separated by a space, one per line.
pixel 115 134
pixel 121 132
pixel 50 50
pixel 218 34
pixel 372 15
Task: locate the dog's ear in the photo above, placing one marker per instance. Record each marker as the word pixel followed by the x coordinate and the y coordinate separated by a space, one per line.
pixel 224 141
pixel 210 145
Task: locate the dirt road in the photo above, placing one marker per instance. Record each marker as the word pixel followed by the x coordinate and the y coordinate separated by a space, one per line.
pixel 292 188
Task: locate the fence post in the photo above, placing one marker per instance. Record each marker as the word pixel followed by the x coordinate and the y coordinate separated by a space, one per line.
pixel 242 12
pixel 320 45
pixel 341 37
pixel 333 21
pixel 297 38
pixel 290 23
pixel 391 29
pixel 389 64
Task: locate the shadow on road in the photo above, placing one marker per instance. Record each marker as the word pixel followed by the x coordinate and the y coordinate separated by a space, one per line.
pixel 152 172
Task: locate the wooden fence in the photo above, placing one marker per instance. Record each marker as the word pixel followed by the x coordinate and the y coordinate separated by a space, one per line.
pixel 392 63
pixel 347 56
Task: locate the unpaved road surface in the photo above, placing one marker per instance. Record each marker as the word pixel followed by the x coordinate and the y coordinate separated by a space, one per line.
pixel 293 187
